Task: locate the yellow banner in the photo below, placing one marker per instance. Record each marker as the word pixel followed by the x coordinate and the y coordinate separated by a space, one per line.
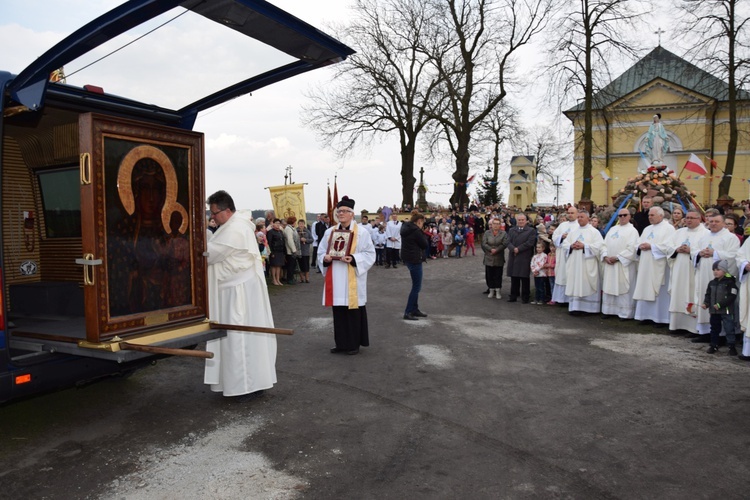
pixel 288 201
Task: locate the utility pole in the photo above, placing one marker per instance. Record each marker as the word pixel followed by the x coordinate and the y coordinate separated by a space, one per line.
pixel 557 189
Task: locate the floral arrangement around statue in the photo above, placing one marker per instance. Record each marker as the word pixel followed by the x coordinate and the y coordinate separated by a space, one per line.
pixel 659 183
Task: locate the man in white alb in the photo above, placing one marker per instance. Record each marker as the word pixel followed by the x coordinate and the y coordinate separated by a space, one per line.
pixel 651 292
pixel 719 243
pixel 682 305
pixel 561 257
pixel 583 246
pixel 619 267
pixel 237 295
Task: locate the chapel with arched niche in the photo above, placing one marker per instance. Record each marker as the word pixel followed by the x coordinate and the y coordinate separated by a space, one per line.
pixel 694 116
pixel 522 181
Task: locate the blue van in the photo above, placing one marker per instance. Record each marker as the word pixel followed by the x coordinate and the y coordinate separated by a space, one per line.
pixel 103 229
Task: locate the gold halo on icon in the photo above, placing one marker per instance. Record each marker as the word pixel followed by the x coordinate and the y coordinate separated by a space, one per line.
pixel 125 188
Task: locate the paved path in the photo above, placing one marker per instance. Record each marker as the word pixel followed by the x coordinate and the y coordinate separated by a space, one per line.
pixel 483 399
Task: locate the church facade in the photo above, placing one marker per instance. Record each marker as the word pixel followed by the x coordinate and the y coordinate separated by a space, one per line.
pixel 694 111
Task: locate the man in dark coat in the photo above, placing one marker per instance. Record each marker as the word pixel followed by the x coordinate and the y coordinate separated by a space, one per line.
pixel 640 219
pixel 521 244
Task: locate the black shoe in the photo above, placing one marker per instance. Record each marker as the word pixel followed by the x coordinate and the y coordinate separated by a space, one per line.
pixel 691 335
pixel 395 266
pixel 336 350
pixel 713 349
pixel 419 314
pixel 512 300
pixel 410 317
pixel 388 266
pixel 702 339
pixel 353 352
pixel 486 291
pixel 743 358
pixel 524 302
pixel 732 351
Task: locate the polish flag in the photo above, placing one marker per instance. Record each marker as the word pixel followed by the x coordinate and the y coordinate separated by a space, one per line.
pixel 694 164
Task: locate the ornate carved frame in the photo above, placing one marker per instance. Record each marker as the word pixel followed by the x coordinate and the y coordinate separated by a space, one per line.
pixel 183 176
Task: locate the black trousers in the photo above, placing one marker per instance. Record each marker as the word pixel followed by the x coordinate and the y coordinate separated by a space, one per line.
pixel 314 257
pixel 392 256
pixel 493 275
pixel 291 266
pixel 520 287
pixel 350 327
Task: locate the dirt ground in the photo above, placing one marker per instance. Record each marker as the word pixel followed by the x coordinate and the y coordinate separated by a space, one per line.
pixel 483 399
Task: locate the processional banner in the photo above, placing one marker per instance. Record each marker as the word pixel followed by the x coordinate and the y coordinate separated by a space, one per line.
pixel 288 200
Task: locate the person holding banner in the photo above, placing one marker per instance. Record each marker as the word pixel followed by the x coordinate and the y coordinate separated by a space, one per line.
pixel 243 362
pixel 345 255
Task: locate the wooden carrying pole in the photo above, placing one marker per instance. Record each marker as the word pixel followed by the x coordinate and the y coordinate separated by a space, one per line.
pixel 166 350
pixel 256 329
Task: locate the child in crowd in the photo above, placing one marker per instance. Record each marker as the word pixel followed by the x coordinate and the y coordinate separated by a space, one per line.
pixel 458 239
pixel 537 269
pixel 447 243
pixel 549 268
pixel 470 242
pixel 720 296
pixel 379 240
pixel 436 246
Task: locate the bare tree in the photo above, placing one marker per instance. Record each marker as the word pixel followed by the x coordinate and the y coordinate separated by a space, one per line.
pixel 722 48
pixel 385 88
pixel 498 129
pixel 472 51
pixel 587 36
pixel 551 154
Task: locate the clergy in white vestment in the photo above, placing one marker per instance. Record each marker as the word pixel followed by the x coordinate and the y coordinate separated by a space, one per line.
pixel 651 292
pixel 682 305
pixel 243 362
pixel 345 289
pixel 583 246
pixel 619 267
pixel 561 257
pixel 393 241
pixel 719 243
pixel 743 266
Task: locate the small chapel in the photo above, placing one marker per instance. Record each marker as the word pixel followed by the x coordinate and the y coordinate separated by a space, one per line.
pixel 691 106
pixel 522 181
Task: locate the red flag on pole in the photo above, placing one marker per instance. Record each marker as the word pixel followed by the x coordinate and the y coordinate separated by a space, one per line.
pixel 694 164
pixel 335 192
pixel 330 205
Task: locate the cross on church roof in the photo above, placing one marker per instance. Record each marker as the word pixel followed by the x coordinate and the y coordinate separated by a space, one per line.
pixel 659 32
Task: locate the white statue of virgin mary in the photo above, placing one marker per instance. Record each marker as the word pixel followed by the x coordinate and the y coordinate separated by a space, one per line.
pixel 657 142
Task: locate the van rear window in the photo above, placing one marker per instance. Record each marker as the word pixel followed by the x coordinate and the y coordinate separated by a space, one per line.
pixel 61 198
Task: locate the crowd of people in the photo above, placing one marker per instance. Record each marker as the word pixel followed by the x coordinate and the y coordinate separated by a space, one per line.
pixel 677 268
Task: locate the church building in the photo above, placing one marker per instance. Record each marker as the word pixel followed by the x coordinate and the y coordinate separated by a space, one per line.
pixel 694 112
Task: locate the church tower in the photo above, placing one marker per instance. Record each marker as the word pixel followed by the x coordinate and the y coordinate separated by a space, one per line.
pixel 522 181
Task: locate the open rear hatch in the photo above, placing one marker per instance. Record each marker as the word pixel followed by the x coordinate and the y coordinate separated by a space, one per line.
pixel 108 252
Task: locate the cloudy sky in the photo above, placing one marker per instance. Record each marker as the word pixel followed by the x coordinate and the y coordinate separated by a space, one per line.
pixel 251 140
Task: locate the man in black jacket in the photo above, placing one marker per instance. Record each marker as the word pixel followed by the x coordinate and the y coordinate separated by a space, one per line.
pixel 413 244
pixel 521 243
pixel 640 219
pixel 319 228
